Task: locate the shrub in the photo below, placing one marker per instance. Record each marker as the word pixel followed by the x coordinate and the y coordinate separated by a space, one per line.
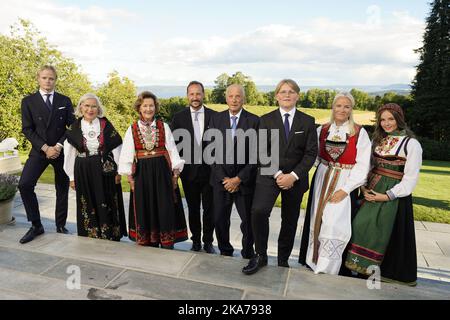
pixel 8 186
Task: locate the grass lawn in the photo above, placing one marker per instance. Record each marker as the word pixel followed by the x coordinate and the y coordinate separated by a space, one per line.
pixel 321 115
pixel 431 200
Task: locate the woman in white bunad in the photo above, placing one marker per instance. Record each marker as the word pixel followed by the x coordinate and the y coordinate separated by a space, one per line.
pixel 151 161
pixel 342 167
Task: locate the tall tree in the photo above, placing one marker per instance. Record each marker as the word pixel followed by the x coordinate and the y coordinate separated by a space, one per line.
pixel 218 93
pixel 22 53
pixel 430 115
pixel 118 96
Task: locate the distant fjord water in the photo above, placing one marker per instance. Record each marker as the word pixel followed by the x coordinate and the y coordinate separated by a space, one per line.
pixel 180 91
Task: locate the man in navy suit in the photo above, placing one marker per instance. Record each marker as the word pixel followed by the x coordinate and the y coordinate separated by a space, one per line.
pixel 295 150
pixel 195 174
pixel 45 116
pixel 233 179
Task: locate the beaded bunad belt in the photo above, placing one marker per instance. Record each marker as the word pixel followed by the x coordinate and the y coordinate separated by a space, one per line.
pixel 336 165
pixel 87 154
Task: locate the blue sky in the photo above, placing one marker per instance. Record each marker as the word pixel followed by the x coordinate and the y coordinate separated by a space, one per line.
pixel 172 42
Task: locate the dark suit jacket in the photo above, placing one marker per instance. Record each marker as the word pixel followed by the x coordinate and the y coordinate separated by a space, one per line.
pixel 298 154
pixel 246 172
pixel 183 120
pixel 42 127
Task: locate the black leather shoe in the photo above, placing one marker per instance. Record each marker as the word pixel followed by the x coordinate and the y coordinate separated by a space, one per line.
pixel 62 230
pixel 196 246
pixel 255 263
pixel 227 254
pixel 284 264
pixel 209 248
pixel 31 234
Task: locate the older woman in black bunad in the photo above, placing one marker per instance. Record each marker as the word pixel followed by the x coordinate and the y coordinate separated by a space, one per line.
pixel 151 161
pixel 91 151
pixel 383 231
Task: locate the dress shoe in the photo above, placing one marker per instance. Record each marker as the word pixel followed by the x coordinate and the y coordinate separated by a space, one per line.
pixel 62 230
pixel 227 254
pixel 32 233
pixel 196 246
pixel 255 263
pixel 284 264
pixel 209 248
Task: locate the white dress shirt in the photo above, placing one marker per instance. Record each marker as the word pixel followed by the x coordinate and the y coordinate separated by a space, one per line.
pixel 290 120
pixel 92 144
pixel 128 150
pixel 44 95
pixel 238 116
pixel 201 118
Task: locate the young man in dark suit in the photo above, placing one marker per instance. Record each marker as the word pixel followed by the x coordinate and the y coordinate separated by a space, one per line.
pixel 195 175
pixel 233 179
pixel 45 116
pixel 297 151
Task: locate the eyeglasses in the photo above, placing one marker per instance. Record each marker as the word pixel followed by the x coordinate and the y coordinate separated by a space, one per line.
pixel 287 93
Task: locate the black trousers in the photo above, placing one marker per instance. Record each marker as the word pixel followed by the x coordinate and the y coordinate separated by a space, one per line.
pixel 196 193
pixel 263 202
pixel 223 204
pixel 33 169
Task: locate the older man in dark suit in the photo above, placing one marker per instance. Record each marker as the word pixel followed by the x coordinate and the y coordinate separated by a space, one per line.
pixel 297 151
pixel 233 179
pixel 45 116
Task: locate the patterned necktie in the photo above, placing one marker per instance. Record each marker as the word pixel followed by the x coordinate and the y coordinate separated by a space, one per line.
pixel 47 102
pixel 233 126
pixel 197 133
pixel 286 125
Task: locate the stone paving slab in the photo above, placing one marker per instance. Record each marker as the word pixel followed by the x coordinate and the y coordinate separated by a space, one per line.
pixel 92 274
pixel 437 227
pixel 25 261
pixel 22 285
pixel 437 261
pixel 163 287
pixel 227 272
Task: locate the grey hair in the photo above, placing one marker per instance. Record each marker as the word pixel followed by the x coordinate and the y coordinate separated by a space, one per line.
pixel 351 121
pixel 244 98
pixel 101 109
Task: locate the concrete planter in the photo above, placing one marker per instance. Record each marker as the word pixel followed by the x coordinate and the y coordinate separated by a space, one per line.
pixel 6 211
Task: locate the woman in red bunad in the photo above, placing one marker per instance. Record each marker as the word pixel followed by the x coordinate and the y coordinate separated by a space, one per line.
pixel 151 161
pixel 342 167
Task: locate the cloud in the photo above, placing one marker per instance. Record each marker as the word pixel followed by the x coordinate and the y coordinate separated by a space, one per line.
pixel 79 33
pixel 323 51
pixel 320 51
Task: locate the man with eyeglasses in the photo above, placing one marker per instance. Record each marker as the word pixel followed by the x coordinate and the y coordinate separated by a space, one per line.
pixel 45 116
pixel 297 144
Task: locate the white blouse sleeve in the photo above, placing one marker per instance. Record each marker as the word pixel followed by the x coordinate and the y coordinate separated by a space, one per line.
pixel 177 162
pixel 411 172
pixel 116 153
pixel 126 154
pixel 70 153
pixel 358 174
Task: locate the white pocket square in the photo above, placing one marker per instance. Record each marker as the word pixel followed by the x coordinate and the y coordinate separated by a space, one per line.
pixel 297 132
pixel 61 108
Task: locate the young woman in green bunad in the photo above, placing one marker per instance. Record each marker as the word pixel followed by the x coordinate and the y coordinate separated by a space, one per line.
pixel 383 229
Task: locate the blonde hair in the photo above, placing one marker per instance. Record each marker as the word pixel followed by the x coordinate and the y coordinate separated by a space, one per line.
pixel 351 121
pixel 47 67
pixel 100 108
pixel 289 82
